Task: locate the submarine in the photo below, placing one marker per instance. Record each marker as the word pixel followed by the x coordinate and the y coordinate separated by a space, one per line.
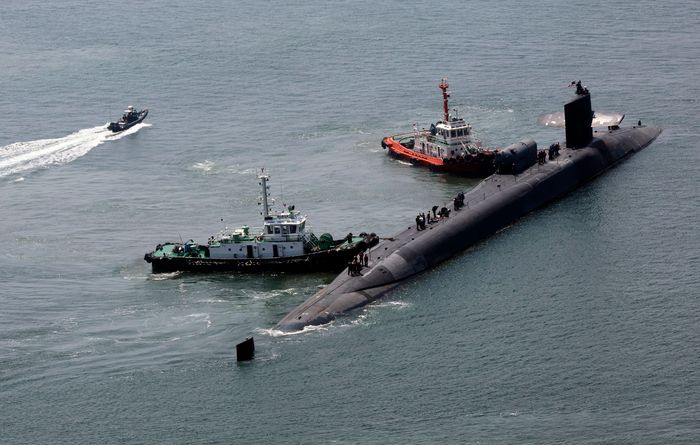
pixel 526 179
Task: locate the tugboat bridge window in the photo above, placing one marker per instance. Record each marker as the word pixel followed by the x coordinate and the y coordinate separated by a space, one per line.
pixel 285 230
pixel 277 230
pixel 292 229
pixel 269 230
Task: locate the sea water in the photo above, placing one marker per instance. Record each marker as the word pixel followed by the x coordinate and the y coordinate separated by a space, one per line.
pixel 577 324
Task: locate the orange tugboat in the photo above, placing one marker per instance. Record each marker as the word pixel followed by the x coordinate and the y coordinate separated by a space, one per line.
pixel 447 147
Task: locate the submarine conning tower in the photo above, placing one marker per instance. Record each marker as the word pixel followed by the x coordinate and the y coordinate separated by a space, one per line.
pixel 578 116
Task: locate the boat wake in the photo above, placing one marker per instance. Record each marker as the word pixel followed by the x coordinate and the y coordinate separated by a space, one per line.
pixel 205 166
pixel 272 332
pixel 22 157
pixel 364 318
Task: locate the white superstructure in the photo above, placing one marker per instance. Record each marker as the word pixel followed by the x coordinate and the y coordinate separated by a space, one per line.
pixel 284 234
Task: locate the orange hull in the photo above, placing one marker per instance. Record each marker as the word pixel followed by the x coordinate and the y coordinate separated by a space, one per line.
pixel 478 165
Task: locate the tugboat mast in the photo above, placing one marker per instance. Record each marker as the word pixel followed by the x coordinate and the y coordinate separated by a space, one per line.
pixel 263 182
pixel 445 95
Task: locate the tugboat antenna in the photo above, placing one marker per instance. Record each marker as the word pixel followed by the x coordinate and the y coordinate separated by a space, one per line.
pixel 445 95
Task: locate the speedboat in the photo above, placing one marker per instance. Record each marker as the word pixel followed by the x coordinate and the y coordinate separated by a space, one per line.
pixel 130 118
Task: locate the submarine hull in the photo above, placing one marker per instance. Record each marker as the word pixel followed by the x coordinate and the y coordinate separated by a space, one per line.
pixel 494 203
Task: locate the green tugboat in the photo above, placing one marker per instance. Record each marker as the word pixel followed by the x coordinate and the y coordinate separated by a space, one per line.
pixel 284 244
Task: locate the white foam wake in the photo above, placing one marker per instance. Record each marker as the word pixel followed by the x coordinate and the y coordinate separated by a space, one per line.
pixel 43 153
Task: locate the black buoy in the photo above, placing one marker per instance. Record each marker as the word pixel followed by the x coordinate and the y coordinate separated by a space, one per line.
pixel 245 350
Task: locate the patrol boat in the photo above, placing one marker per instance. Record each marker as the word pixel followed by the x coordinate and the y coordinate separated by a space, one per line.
pixel 284 244
pixel 130 118
pixel 447 147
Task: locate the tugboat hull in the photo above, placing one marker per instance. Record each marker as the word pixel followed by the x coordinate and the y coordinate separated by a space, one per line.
pixel 331 260
pixel 479 165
